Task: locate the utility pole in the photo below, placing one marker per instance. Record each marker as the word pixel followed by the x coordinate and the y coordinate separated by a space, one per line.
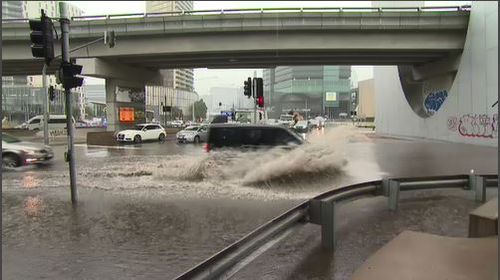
pixel 45 106
pixel 194 119
pixel 70 155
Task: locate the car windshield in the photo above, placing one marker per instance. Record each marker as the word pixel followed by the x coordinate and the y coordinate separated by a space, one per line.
pixel 138 127
pixel 192 128
pixel 9 139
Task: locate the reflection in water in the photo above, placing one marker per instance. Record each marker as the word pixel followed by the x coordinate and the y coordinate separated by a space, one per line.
pixel 110 236
pixel 33 206
pixel 30 181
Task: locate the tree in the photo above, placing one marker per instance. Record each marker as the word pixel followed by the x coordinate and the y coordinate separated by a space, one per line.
pixel 200 109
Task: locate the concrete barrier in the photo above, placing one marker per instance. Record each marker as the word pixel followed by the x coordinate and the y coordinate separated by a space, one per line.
pixel 102 138
pixel 19 132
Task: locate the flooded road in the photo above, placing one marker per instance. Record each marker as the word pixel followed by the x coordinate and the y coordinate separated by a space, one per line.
pixel 151 211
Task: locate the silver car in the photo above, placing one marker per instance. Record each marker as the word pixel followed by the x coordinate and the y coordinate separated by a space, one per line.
pixel 192 134
pixel 16 152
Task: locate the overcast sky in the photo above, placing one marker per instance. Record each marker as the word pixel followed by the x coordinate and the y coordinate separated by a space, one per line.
pixel 207 78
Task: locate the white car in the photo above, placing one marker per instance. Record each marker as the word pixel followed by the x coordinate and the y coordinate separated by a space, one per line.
pixel 194 134
pixel 142 132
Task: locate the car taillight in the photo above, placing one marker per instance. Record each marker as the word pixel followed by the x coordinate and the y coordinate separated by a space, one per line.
pixel 207 147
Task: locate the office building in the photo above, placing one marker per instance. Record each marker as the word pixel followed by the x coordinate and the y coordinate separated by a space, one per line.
pixel 313 90
pixel 366 101
pixel 51 9
pixel 182 79
pixel 13 9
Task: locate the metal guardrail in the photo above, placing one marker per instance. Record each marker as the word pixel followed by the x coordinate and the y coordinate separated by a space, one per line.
pixel 261 11
pixel 321 210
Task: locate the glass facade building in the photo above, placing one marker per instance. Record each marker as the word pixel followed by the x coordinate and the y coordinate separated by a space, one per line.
pixel 317 90
pixel 20 103
pixel 158 96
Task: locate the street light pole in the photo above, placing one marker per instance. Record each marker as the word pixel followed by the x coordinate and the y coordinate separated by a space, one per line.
pixel 70 156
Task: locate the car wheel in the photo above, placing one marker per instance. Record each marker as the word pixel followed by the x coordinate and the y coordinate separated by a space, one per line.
pixel 11 160
pixel 161 137
pixel 137 139
pixel 196 139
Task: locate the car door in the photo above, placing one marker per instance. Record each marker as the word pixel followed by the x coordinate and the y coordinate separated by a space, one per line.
pixel 150 132
pixel 203 133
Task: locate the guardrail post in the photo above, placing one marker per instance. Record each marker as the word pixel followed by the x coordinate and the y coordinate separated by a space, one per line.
pixel 472 181
pixel 328 224
pixel 385 186
pixel 480 188
pixel 393 194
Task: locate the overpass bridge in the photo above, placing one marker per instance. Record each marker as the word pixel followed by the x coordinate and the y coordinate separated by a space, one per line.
pixel 428 42
pixel 256 38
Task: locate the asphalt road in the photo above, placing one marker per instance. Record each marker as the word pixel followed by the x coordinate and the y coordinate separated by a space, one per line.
pixel 153 210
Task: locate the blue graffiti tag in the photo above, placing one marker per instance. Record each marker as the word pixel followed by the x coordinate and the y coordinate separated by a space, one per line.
pixel 434 100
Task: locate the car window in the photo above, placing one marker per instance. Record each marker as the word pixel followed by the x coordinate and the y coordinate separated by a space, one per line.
pixel 221 137
pixel 138 127
pixel 35 121
pixel 152 127
pixel 252 136
pixel 57 120
pixel 283 137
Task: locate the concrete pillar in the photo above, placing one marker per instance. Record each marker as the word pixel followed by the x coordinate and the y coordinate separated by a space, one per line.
pixel 114 102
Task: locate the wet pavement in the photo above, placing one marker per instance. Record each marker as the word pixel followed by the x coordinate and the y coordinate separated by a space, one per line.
pixel 153 210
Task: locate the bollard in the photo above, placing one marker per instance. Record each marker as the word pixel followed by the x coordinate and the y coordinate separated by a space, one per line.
pixel 328 224
pixel 393 195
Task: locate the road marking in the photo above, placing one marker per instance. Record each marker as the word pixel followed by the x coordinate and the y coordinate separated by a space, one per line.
pixel 108 147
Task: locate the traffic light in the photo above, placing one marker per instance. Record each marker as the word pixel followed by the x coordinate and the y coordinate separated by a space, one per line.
pixel 69 72
pixel 109 38
pixel 259 89
pixel 52 94
pixel 248 88
pixel 42 38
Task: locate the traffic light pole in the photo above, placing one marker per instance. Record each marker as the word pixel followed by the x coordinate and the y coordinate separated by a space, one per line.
pixel 70 156
pixel 45 106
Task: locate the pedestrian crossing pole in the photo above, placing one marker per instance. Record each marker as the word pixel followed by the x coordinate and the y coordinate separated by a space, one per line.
pixel 70 154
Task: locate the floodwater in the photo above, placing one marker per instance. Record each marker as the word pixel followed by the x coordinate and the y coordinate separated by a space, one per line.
pixel 152 211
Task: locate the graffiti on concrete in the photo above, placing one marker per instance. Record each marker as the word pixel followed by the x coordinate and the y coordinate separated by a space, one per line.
pixel 475 125
pixel 452 123
pixel 57 132
pixel 434 100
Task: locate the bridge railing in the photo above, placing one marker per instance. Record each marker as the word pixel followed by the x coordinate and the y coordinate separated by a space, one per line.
pixel 321 210
pixel 262 10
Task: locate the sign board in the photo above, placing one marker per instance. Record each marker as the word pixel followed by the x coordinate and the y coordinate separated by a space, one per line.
pixel 331 96
pixel 127 114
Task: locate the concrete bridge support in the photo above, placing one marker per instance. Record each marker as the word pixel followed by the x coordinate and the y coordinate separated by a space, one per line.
pixel 125 90
pixel 451 99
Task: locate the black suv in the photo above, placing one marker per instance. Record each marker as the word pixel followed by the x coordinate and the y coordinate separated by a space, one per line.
pixel 249 137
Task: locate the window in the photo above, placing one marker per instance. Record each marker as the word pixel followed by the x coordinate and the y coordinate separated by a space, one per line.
pixel 151 127
pixel 57 120
pixel 35 121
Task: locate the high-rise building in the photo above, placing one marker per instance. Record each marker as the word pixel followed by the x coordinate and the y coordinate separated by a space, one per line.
pixel 314 90
pixel 168 6
pixel 51 9
pixel 13 9
pixel 182 79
